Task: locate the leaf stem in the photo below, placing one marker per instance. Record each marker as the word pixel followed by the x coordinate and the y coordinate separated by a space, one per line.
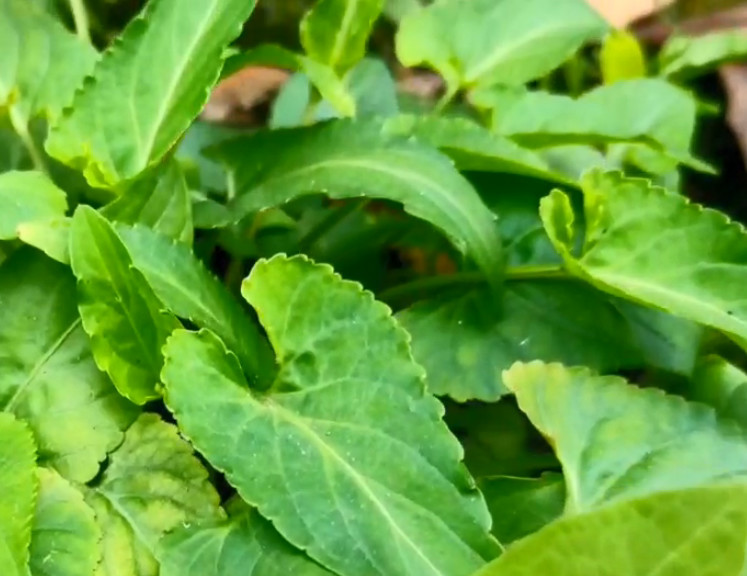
pixel 332 219
pixel 22 129
pixel 80 17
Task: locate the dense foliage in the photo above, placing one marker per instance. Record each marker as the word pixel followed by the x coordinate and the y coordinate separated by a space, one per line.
pixel 380 336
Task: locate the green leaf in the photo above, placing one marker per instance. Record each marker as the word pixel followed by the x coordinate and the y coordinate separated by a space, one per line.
pixel 160 201
pixel 347 159
pixel 346 455
pixel 617 441
pixel 652 246
pixel 65 540
pixel 335 32
pixel 648 111
pixel 723 386
pixel 42 62
pixel 466 340
pixel 190 291
pixel 621 57
pixel 290 105
pixel 50 236
pixel 696 532
pixel 120 312
pixel 27 197
pixel 157 77
pixel 324 78
pixel 245 545
pixel 374 89
pixel 487 42
pixel 47 373
pixel 521 506
pixel 153 485
pixel 18 491
pixel 684 57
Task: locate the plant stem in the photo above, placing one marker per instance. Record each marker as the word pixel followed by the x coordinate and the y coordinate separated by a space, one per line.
pixel 332 219
pixel 535 272
pixel 22 129
pixel 445 100
pixel 80 17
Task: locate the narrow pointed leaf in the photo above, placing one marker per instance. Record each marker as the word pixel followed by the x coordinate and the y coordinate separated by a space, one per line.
pixel 684 57
pixel 153 485
pixel 346 455
pixel 119 310
pixel 617 441
pixel 696 532
pixel 487 42
pixel 245 545
pixel 157 76
pixel 335 32
pixel 27 197
pixel 18 490
pixel 47 373
pixel 160 201
pixel 347 159
pixel 65 540
pixel 653 246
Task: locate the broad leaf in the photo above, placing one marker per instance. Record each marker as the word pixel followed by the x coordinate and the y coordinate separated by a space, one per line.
pixel 27 197
pixel 18 491
pixel 617 441
pixel 160 201
pixel 347 159
pixel 153 485
pixel 521 506
pixel 50 236
pixel 190 291
pixel 648 111
pixel 346 454
pixel 653 246
pixel 683 57
pixel 120 312
pixel 465 341
pixel 244 545
pixel 324 78
pixel 157 77
pixel 696 532
pixel 335 31
pixel 722 385
pixel 65 540
pixel 42 62
pixel 47 373
pixel 487 42
pixel 374 89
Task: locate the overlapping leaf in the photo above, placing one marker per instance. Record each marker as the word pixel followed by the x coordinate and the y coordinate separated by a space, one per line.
pixel 27 197
pixel 119 310
pixel 683 57
pixel 695 532
pixel 653 246
pixel 65 540
pixel 335 31
pixel 353 159
pixel 722 385
pixel 18 491
pixel 346 454
pixel 47 373
pixel 153 485
pixel 487 42
pixel 157 78
pixel 617 441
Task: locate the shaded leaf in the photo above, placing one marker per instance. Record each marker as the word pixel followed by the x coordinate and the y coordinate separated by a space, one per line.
pixel 722 385
pixel 335 32
pixel 521 506
pixel 488 42
pixel 18 491
pixel 50 236
pixel 374 89
pixel 153 485
pixel 47 373
pixel 646 244
pixel 346 454
pixel 190 291
pixel 290 105
pixel 156 98
pixel 65 540
pixel 684 57
pixel 617 441
pixel 27 197
pixel 696 532
pixel 347 159
pixel 119 310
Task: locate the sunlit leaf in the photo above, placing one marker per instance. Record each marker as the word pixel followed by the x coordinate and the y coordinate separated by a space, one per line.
pixel 27 197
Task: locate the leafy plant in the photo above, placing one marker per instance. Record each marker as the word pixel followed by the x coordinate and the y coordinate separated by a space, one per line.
pixel 485 335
